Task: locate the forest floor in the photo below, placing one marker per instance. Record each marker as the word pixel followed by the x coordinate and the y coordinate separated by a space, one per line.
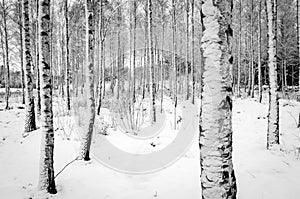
pixel 260 173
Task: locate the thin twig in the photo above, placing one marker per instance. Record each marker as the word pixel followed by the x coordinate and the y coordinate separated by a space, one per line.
pixel 293 117
pixel 66 166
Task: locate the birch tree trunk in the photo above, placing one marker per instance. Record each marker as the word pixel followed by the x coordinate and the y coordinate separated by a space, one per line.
pixel 162 57
pixel 21 52
pixel 6 57
pixel 30 124
pixel 259 54
pixel 276 34
pixel 201 52
pixel 240 51
pixel 187 48
pixel 130 49
pixel 146 58
pixel 252 50
pixel 151 62
pixel 46 174
pixel 134 51
pixel 245 64
pixel 162 67
pixel 119 51
pixel 103 68
pixel 102 75
pixel 174 59
pixel 248 47
pixel 87 137
pixel 273 116
pixel 100 61
pixel 67 55
pixel 193 51
pixel 217 173
pixel 38 83
pixel 298 34
pixel 267 27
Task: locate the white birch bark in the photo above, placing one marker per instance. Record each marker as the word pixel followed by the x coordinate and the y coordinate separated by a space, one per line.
pixel 217 173
pixel 30 123
pixel 151 62
pixel 88 130
pixel 259 54
pixel 187 49
pixel 46 174
pixel 273 116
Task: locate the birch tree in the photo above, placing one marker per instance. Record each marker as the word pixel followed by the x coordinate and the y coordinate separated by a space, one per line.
pixel 217 173
pixel 119 61
pixel 193 50
pixel 19 4
pixel 146 57
pixel 240 50
pixel 100 56
pixel 134 50
pixel 151 62
pixel 67 54
pixel 46 174
pixel 30 124
pixel 273 116
pixel 187 48
pixel 174 66
pixel 201 52
pixel 252 50
pixel 87 137
pixel 259 54
pixel 298 35
pixel 38 83
pixel 6 54
pixel 163 18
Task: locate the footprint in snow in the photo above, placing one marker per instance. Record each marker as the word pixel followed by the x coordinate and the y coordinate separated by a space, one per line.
pixel 152 144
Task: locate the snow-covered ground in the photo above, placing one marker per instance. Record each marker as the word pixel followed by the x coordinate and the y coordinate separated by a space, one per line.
pixel 260 173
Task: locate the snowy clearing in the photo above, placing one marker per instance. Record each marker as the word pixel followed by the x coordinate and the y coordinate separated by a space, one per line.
pixel 260 173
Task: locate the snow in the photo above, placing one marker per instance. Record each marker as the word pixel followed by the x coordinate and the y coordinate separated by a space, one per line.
pixel 260 173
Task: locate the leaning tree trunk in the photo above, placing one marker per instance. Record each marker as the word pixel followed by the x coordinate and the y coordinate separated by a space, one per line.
pixel 30 124
pixel 273 116
pixel 151 62
pixel 217 173
pixel 46 174
pixel 87 138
